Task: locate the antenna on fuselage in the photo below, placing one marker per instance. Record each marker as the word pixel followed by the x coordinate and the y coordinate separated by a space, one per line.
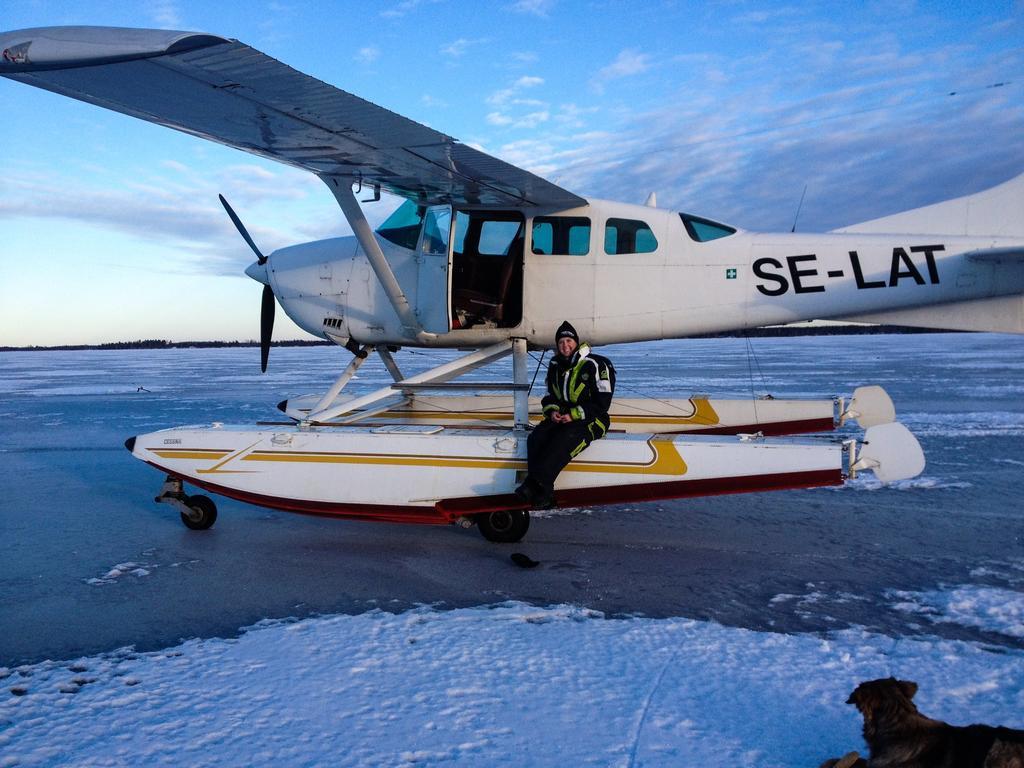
pixel 652 200
pixel 801 205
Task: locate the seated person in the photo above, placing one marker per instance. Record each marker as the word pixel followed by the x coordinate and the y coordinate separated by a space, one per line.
pixel 580 385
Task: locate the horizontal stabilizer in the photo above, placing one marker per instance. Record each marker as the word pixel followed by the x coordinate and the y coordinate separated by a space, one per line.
pixel 890 451
pixel 998 211
pixel 869 406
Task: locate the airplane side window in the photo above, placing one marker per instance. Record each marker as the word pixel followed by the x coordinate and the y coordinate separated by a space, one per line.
pixel 628 236
pixel 543 237
pixel 436 229
pixel 402 227
pixel 703 230
pixel 561 235
pixel 496 236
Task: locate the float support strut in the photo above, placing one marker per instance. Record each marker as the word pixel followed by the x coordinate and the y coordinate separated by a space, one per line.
pixel 439 375
pixel 344 379
pixel 521 391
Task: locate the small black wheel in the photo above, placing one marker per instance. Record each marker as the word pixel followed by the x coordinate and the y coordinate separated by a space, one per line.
pixel 505 527
pixel 203 513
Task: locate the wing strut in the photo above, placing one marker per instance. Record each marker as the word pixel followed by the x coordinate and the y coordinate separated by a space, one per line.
pixel 341 187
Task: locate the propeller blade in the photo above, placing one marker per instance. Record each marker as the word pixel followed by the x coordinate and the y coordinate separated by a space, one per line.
pixel 266 325
pixel 260 258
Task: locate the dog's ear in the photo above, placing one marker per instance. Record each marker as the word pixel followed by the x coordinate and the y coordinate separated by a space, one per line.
pixel 909 687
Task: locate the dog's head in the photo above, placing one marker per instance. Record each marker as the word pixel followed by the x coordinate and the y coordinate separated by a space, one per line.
pixel 883 699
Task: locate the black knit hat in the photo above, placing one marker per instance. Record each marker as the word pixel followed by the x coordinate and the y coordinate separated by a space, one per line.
pixel 565 330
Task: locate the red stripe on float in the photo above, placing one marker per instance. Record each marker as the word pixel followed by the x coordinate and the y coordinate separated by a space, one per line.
pixel 772 429
pixel 447 510
pixel 386 513
pixel 622 494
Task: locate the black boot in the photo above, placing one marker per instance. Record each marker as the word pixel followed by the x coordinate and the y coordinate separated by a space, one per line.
pixel 544 499
pixel 528 490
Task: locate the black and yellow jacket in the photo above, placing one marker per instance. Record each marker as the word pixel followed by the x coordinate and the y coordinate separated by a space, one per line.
pixel 582 387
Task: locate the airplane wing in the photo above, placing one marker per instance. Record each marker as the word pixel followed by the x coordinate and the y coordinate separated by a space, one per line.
pixel 227 92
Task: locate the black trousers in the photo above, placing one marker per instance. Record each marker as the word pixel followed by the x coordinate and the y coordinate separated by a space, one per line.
pixel 551 446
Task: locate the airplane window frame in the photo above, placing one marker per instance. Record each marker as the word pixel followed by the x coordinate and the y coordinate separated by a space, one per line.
pixel 562 230
pixel 625 236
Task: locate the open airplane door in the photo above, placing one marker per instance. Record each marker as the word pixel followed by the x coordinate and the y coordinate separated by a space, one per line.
pixel 433 270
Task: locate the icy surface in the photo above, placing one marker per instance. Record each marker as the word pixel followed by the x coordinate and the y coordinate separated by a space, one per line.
pixel 712 631
pixel 510 684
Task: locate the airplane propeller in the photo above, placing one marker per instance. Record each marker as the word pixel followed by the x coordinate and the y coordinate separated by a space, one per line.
pixel 268 306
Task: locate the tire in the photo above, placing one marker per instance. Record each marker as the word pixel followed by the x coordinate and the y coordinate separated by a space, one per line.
pixel 204 513
pixel 505 527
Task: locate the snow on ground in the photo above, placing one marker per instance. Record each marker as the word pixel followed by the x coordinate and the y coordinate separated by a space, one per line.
pixel 998 610
pixel 131 569
pixel 506 685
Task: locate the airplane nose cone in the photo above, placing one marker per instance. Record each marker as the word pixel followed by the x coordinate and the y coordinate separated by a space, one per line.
pixel 130 444
pixel 258 272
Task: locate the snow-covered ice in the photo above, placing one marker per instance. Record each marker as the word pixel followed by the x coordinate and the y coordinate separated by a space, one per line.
pixel 506 685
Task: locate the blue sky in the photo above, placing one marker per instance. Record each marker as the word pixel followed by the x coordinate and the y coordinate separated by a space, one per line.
pixel 112 229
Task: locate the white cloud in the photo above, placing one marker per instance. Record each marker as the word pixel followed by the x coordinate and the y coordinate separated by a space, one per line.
pixel 531 120
pixel 571 115
pixel 458 48
pixel 509 101
pixel 510 95
pixel 535 7
pixel 629 62
pixel 401 9
pixel 433 101
pixel 180 209
pixel 166 14
pixel 367 54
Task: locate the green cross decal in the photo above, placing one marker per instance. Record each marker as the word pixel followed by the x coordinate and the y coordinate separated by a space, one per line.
pixel 730 274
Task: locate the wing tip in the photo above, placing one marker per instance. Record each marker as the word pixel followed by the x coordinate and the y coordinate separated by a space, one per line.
pixel 44 48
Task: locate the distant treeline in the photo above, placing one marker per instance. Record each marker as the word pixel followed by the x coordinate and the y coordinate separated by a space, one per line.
pixel 164 344
pixel 785 330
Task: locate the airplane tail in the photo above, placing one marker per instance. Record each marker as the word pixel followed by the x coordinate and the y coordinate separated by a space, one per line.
pixel 995 212
pixel 998 211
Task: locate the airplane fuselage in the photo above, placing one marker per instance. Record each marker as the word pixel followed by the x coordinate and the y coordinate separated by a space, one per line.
pixel 675 276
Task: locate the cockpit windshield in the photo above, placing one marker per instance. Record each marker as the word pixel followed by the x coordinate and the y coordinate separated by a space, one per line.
pixel 403 226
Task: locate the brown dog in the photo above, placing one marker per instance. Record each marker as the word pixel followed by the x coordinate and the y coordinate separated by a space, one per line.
pixel 901 737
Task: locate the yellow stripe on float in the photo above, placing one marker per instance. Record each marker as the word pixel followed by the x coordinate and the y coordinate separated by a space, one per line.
pixel 665 460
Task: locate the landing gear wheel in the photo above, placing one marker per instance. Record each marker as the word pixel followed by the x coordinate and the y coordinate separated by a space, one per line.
pixel 202 513
pixel 506 527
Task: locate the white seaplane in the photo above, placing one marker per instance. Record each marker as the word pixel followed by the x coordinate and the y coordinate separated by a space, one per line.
pixel 489 257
